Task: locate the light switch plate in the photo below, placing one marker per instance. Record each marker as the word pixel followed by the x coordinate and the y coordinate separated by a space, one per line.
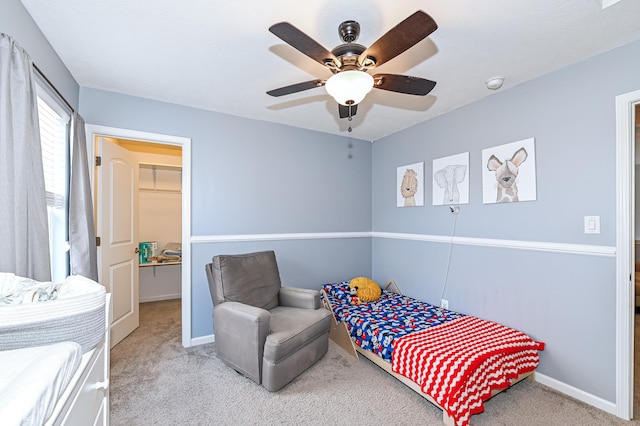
pixel 592 224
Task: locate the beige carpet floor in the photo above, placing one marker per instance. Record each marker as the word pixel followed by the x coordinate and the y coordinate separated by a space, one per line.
pixel 155 381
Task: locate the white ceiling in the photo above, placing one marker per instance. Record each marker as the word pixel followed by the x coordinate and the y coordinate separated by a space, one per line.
pixel 220 56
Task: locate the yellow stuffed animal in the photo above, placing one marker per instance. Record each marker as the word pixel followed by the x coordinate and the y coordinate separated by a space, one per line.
pixel 367 289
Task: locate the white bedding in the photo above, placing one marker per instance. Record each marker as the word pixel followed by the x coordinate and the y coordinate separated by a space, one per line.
pixel 32 380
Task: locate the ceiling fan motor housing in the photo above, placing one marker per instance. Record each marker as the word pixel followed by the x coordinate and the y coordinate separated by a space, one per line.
pixel 348 55
pixel 349 52
pixel 349 31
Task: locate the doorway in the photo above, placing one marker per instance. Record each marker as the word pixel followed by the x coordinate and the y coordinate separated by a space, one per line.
pixel 160 221
pixel 636 257
pixel 169 142
pixel 626 106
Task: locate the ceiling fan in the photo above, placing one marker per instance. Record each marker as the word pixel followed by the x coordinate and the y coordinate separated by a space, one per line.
pixel 349 62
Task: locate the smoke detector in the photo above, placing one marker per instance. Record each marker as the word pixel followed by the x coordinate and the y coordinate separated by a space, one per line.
pixel 494 83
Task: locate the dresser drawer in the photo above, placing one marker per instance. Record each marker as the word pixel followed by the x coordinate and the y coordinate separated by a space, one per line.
pixel 90 402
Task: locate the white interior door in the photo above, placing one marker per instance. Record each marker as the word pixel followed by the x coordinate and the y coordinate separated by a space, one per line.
pixel 117 227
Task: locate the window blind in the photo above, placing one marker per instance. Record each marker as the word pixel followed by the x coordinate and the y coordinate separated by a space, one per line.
pixel 55 124
pixel 53 136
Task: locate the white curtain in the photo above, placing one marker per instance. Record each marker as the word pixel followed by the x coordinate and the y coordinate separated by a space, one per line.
pixel 24 229
pixel 82 236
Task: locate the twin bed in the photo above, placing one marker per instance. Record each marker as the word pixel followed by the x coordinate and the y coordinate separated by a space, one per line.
pixel 455 361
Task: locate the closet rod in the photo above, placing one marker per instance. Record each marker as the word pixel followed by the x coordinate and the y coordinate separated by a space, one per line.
pixel 53 87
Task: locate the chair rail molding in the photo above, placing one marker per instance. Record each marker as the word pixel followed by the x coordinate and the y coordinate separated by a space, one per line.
pixel 552 247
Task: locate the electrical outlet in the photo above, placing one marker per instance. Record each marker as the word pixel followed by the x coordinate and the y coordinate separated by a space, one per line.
pixel 444 304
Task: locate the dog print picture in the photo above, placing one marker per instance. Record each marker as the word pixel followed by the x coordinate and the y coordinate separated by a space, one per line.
pixel 509 172
pixel 450 181
pixel 410 185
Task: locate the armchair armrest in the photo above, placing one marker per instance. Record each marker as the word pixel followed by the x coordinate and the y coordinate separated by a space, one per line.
pixel 299 298
pixel 240 332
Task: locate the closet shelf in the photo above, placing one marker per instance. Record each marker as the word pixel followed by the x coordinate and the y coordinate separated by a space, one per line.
pixel 145 265
pixel 160 178
pixel 167 191
pixel 160 166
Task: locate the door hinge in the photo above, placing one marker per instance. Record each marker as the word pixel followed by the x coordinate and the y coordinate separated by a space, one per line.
pixel 97 241
pixel 98 160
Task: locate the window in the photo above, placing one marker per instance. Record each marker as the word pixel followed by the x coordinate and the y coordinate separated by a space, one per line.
pixel 55 124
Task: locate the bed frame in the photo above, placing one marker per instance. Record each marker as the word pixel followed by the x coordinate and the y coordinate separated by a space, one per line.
pixel 340 335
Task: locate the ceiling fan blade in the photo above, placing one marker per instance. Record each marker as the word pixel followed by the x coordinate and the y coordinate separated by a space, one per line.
pixel 400 38
pixel 305 44
pixel 403 84
pixel 343 110
pixel 294 88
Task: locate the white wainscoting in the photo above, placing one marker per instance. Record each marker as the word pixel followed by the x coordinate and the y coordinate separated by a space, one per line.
pixel 551 247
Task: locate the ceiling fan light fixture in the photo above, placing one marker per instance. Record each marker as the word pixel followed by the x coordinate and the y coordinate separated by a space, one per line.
pixel 349 87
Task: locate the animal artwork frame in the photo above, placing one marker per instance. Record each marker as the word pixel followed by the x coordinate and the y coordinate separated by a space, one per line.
pixel 509 172
pixel 410 185
pixel 451 180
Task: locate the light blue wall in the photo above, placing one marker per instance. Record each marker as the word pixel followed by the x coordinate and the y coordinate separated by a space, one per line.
pixel 253 177
pixel 16 22
pixel 565 300
pixel 302 263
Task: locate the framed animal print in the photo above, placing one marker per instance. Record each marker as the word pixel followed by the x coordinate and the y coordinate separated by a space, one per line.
pixel 410 184
pixel 451 180
pixel 509 172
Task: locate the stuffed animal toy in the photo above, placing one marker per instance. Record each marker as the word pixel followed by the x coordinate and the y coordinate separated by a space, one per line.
pixel 355 300
pixel 367 289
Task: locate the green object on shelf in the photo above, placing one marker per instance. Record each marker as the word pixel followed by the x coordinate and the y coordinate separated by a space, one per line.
pixel 148 251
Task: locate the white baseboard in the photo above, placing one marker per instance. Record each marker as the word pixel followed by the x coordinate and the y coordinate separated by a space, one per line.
pixel 203 340
pixel 161 297
pixel 550 247
pixel 576 393
pixel 564 388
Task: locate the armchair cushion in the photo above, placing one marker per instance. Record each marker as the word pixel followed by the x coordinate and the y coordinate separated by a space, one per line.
pixel 299 298
pixel 292 328
pixel 251 278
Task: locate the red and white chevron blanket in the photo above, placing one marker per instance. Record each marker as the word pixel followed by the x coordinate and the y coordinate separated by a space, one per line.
pixel 460 362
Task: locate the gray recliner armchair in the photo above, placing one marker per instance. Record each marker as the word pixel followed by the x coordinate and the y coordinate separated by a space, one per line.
pixel 267 332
